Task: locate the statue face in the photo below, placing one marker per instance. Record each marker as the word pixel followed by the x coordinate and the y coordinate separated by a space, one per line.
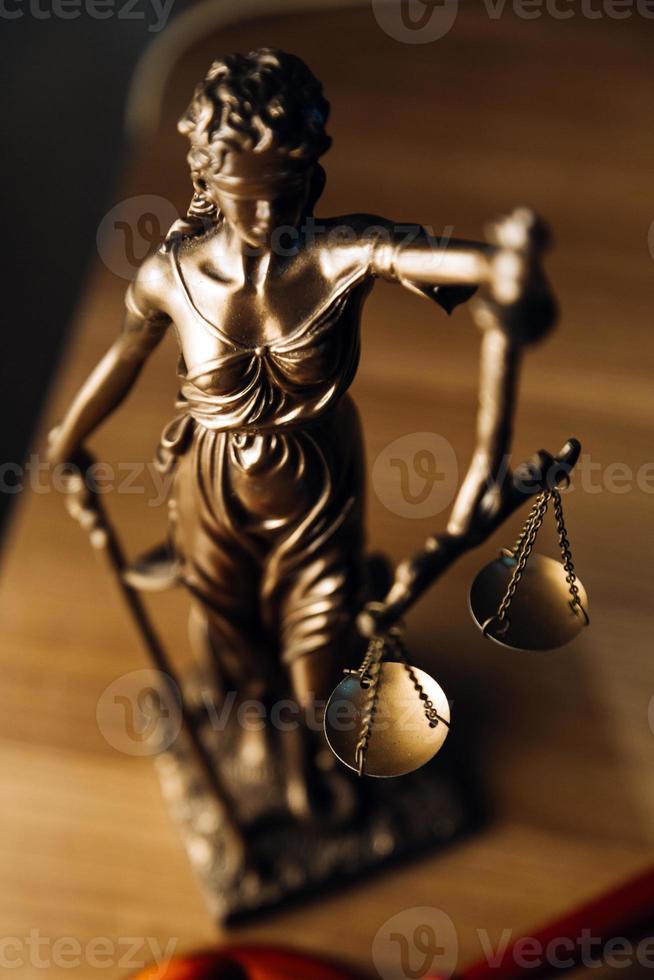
pixel 258 199
pixel 256 218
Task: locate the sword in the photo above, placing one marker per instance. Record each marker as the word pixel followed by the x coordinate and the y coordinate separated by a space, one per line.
pixel 85 506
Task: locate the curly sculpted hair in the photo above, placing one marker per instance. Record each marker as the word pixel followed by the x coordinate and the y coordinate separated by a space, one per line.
pixel 265 100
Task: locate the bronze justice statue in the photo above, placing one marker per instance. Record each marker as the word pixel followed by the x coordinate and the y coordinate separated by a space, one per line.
pixel 266 526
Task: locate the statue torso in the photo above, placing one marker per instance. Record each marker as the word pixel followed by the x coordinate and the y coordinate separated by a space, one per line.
pixel 267 354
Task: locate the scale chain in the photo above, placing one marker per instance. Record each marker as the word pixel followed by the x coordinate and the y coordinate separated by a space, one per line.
pixel 526 542
pixel 523 548
pixel 526 527
pixel 431 714
pixel 566 554
pixel 369 674
pixel 369 677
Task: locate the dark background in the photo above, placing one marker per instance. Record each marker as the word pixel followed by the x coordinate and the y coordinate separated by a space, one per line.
pixel 64 85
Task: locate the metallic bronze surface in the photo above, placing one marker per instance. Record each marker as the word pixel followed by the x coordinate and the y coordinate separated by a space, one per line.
pixel 265 299
pixel 401 738
pixel 541 616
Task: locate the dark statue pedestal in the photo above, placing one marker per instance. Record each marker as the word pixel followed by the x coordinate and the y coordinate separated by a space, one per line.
pixel 367 823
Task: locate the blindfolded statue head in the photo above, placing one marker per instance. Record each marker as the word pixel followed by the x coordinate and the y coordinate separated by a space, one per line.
pixel 257 129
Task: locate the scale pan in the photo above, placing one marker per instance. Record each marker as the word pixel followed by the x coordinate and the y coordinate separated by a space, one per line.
pixel 402 738
pixel 541 615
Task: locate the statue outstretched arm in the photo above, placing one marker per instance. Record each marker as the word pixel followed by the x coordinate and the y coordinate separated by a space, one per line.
pixel 449 270
pixel 109 383
pixel 516 307
pixel 414 256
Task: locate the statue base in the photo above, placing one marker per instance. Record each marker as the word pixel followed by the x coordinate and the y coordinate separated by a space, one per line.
pixel 372 823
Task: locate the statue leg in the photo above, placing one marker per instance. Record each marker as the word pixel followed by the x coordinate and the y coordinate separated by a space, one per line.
pixel 313 585
pixel 318 640
pixel 222 571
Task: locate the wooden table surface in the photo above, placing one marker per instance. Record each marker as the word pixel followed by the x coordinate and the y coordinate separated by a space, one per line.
pixel 553 113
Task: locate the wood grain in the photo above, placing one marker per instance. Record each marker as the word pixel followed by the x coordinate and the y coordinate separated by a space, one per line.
pixel 551 113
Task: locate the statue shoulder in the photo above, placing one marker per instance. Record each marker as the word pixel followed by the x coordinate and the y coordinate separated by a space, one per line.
pixel 360 227
pixel 150 290
pixel 345 244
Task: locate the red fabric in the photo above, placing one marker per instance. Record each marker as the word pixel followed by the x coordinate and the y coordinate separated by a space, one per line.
pixel 248 963
pixel 623 913
pixel 280 964
pixel 209 966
